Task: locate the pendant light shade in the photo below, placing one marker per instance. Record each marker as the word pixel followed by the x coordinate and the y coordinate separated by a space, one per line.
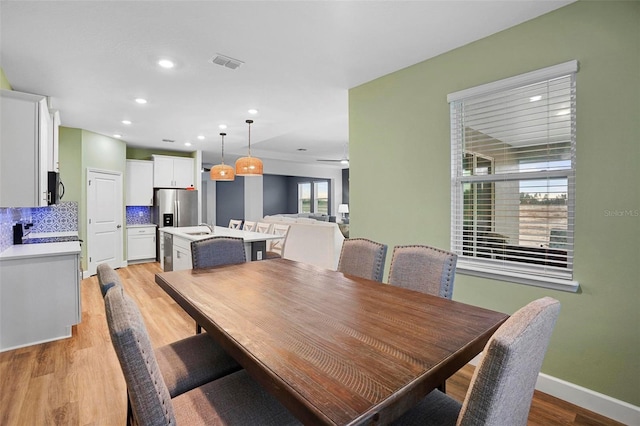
pixel 249 166
pixel 222 171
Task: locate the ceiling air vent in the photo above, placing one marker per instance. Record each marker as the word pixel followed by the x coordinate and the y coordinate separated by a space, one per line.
pixel 226 61
pixel 168 140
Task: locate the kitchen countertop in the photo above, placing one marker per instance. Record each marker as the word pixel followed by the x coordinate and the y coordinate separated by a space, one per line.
pixel 141 225
pixel 188 232
pixel 20 251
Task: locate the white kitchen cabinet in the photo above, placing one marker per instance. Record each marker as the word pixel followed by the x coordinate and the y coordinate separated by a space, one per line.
pixel 173 172
pixel 139 183
pixel 40 287
pixel 54 142
pixel 181 254
pixel 141 243
pixel 25 133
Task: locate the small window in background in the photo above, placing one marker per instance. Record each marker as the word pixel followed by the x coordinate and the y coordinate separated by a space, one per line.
pixel 304 197
pixel 513 167
pixel 321 197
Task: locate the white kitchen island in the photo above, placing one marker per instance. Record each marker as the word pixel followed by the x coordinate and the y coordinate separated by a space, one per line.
pixel 39 293
pixel 254 243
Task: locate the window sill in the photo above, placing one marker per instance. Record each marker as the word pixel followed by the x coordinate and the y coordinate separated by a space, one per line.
pixel 466 268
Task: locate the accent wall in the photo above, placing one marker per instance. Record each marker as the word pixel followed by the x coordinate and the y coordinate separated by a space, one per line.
pixel 402 120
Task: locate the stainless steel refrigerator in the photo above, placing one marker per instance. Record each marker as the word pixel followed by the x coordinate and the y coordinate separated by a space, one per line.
pixel 174 207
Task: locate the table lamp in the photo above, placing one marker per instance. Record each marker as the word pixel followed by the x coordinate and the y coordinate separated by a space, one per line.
pixel 344 209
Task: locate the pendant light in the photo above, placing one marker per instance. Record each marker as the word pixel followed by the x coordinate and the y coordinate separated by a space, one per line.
pixel 222 171
pixel 249 166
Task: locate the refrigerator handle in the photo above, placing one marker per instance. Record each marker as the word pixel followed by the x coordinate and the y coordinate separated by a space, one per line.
pixel 177 210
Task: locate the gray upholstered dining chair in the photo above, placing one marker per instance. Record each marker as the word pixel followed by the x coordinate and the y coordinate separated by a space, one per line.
pixel 233 398
pixel 363 258
pixel 423 268
pixel 216 251
pixel 503 383
pixel 184 364
pixel 107 278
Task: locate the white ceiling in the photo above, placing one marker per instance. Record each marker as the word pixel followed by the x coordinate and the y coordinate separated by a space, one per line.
pixel 93 58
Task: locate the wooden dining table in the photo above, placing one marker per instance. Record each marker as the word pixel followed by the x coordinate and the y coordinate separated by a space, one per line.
pixel 333 348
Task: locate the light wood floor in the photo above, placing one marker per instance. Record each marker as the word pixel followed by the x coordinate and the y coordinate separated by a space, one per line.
pixel 78 381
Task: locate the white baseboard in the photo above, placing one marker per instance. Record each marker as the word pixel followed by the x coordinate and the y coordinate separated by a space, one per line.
pixel 602 404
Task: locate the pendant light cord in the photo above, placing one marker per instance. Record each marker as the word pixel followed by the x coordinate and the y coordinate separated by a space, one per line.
pixel 249 123
pixel 223 135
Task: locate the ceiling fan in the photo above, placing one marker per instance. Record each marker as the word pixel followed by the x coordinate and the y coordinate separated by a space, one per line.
pixel 344 160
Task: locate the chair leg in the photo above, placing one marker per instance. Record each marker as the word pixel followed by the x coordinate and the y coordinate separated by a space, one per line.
pixel 443 387
pixel 198 328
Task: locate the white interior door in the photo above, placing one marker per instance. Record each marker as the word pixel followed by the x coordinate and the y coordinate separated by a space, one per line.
pixel 104 219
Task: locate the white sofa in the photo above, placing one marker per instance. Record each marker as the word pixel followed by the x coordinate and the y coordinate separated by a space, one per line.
pixel 311 241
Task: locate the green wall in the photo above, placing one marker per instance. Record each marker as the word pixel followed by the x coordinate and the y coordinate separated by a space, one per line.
pixel 4 83
pixel 145 153
pixel 400 177
pixel 78 151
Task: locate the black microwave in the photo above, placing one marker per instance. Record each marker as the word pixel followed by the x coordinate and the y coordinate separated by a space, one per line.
pixel 55 188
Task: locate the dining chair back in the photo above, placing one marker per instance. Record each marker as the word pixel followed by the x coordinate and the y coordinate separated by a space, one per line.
pixel 235 224
pixel 503 383
pixel 216 251
pixel 249 226
pixel 148 394
pixel 263 227
pixel 422 268
pixel 363 258
pixel 276 246
pixel 230 399
pixel 107 278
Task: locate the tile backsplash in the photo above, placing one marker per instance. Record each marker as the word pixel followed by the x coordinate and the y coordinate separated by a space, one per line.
pixel 138 215
pixel 61 217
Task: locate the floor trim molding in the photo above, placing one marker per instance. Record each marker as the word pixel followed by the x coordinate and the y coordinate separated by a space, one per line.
pixel 602 404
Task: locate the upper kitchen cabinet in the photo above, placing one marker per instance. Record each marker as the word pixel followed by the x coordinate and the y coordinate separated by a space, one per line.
pixel 26 149
pixel 139 183
pixel 54 164
pixel 172 172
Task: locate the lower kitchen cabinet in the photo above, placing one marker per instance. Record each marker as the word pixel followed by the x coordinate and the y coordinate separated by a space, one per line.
pixel 40 287
pixel 181 254
pixel 141 243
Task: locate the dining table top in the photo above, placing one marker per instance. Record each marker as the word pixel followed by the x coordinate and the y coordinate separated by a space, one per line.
pixel 333 348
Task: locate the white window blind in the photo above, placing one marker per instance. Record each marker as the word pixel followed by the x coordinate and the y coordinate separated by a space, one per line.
pixel 513 167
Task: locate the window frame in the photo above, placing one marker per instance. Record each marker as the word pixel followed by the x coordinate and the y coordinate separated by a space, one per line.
pixel 301 199
pixel 508 269
pixel 312 186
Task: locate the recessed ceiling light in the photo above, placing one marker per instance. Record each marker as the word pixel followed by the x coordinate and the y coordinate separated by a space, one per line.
pixel 117 135
pixel 253 111
pixel 535 98
pixel 126 122
pixel 222 126
pixel 187 144
pixel 166 63
pixel 201 137
pixel 141 101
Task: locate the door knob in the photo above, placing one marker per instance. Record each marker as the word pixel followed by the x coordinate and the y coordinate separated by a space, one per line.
pixel 119 226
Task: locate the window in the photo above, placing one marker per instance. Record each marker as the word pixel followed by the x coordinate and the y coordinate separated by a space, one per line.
pixel 304 197
pixel 321 197
pixel 513 167
pixel 313 197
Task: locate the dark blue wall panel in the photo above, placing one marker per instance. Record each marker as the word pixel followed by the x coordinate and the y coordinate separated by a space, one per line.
pixel 229 201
